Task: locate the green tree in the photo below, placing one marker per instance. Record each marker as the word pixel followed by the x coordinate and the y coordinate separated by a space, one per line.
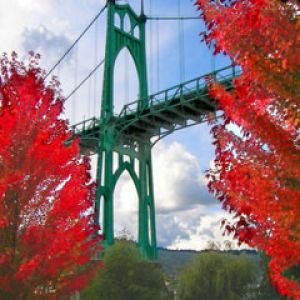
pixel 216 275
pixel 126 275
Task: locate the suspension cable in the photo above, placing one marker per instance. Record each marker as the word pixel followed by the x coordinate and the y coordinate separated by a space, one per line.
pixel 84 80
pixel 76 41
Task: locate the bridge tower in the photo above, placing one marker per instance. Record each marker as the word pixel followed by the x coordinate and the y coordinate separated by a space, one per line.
pixel 116 150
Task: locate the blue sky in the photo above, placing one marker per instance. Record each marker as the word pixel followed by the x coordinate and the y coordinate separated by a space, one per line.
pixel 187 216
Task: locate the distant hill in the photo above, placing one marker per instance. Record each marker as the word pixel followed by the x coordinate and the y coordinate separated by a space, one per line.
pixel 173 261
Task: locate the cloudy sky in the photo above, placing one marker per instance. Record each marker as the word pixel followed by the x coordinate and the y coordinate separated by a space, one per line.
pixel 187 215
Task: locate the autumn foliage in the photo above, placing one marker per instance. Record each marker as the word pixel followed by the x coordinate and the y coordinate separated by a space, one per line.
pixel 46 227
pixel 257 166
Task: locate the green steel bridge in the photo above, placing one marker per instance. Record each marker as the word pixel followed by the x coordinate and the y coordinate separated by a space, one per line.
pixel 125 141
pixel 178 107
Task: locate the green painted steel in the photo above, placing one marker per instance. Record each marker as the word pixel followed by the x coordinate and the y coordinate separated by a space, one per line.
pixel 113 151
pixel 178 107
pixel 123 142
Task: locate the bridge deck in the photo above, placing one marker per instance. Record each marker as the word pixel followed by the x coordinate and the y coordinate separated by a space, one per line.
pixel 180 106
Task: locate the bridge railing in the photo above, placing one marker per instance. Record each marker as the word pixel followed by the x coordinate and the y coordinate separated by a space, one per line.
pixel 175 92
pixel 85 125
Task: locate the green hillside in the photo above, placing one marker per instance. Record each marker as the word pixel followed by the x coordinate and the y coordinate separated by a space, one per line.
pixel 173 261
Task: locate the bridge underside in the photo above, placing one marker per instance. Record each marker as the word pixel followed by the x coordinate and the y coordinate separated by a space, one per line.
pixel 181 106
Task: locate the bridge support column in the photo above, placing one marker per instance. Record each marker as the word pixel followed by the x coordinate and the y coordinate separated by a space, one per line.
pixel 106 182
pixel 105 188
pixel 120 36
pixel 147 230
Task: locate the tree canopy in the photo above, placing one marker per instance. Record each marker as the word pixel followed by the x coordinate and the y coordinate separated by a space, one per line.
pixel 216 275
pixel 46 228
pixel 256 173
pixel 127 275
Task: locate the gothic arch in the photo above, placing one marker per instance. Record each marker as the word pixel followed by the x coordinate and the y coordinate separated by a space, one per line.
pixel 132 89
pixel 117 39
pixel 132 55
pixel 126 167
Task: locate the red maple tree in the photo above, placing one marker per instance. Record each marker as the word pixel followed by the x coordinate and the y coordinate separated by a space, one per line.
pixel 257 165
pixel 46 194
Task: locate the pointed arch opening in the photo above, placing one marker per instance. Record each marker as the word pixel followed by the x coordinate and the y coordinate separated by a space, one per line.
pixel 126 207
pixel 117 20
pixel 101 214
pixel 126 24
pixel 149 225
pixel 136 32
pixel 126 81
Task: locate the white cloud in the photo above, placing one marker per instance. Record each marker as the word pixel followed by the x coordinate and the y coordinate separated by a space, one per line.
pixel 179 187
pixel 178 181
pixel 126 206
pixel 33 5
pixel 43 40
pixel 201 228
pixel 187 217
pixel 181 199
pixel 15 15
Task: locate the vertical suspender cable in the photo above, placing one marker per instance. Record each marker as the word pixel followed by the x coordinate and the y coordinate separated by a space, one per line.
pixel 76 41
pixel 126 77
pixel 75 83
pixel 58 71
pixel 89 99
pixel 183 48
pixel 151 52
pixel 181 44
pixel 157 56
pixel 212 58
pixel 95 62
